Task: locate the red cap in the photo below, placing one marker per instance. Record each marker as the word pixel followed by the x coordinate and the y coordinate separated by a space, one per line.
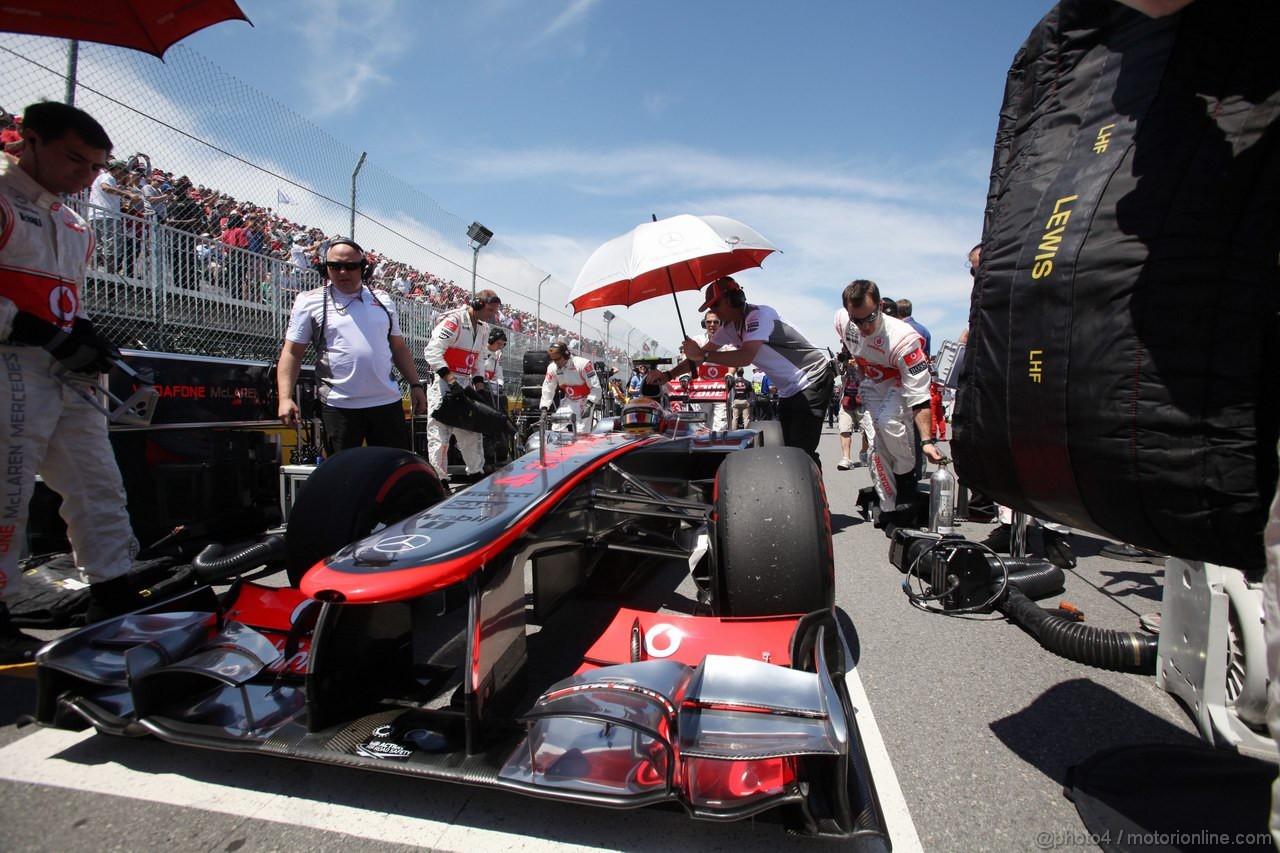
pixel 717 290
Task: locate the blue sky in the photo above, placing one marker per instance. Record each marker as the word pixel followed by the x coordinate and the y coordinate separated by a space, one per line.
pixel 856 136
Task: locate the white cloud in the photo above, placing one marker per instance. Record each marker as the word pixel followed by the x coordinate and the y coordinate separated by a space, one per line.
pixel 575 12
pixel 344 47
pixel 655 103
pixel 628 171
pixel 882 230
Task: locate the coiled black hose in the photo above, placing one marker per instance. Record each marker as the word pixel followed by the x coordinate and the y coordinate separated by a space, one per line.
pixel 212 566
pixel 1035 577
pixel 1120 651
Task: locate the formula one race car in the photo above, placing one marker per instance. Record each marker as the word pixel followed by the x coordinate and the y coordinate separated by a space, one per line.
pixel 429 645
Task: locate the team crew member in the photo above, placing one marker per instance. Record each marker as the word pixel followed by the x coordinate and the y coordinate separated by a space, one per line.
pixel 717 413
pixel 493 362
pixel 457 352
pixel 637 380
pixel 802 372
pixel 895 389
pixel 357 333
pixel 493 379
pixel 743 398
pixel 848 334
pixel 47 428
pixel 574 375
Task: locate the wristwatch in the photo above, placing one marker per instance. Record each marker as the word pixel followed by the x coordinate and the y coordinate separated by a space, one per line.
pixel 928 441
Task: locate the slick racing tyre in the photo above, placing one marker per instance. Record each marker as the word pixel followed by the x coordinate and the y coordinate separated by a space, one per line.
pixel 772 536
pixel 771 435
pixel 350 495
pixel 535 363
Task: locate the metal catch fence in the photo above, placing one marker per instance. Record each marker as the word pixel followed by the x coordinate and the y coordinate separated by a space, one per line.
pixel 179 289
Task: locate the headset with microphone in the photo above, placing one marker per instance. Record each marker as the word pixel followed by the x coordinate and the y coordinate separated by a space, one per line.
pixel 479 302
pixel 322 265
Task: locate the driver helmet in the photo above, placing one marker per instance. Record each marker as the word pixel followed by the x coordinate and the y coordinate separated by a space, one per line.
pixel 641 415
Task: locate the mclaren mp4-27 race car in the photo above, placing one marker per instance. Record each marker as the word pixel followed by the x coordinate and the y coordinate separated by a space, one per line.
pixel 418 632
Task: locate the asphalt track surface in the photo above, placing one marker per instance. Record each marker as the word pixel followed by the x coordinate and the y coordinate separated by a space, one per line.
pixel 978 725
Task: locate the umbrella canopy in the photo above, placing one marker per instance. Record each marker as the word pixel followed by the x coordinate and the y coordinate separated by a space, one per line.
pixel 680 253
pixel 151 26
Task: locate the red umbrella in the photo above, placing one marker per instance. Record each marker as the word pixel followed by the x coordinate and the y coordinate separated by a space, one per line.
pixel 151 26
pixel 667 256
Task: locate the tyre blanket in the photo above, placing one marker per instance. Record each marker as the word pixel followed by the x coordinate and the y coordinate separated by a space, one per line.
pixel 1124 314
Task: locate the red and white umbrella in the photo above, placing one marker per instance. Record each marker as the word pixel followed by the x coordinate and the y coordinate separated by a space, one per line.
pixel 151 26
pixel 667 256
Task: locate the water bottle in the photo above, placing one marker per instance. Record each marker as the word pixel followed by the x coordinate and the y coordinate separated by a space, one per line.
pixel 942 499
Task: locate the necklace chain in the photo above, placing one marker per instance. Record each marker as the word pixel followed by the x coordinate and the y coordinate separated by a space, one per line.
pixel 343 308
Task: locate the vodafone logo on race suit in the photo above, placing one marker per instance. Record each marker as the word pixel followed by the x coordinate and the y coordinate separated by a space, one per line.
pixel 64 303
pixel 916 361
pixel 575 392
pixel 459 360
pixel 886 482
pixel 69 218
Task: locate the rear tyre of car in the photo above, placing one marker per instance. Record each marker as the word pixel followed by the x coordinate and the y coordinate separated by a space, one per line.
pixel 350 495
pixel 771 435
pixel 772 554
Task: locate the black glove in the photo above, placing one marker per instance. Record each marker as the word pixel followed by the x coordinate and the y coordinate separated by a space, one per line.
pixel 454 389
pixel 81 350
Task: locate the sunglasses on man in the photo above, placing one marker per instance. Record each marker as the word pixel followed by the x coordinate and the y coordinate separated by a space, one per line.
pixel 863 321
pixel 350 266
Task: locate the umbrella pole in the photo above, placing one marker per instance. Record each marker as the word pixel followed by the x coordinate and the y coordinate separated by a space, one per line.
pixel 671 281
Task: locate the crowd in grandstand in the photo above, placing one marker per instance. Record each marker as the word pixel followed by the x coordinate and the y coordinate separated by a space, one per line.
pixel 135 193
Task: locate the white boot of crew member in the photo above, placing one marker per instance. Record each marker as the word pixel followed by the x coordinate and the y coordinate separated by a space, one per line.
pixel 576 376
pixel 456 354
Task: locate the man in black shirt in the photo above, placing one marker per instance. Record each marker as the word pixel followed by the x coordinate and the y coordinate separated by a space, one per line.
pixel 186 216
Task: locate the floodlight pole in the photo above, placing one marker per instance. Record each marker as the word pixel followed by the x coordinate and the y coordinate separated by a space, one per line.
pixel 479 237
pixel 359 166
pixel 475 259
pixel 538 327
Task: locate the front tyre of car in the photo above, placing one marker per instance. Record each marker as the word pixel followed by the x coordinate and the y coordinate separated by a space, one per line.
pixel 349 496
pixel 773 553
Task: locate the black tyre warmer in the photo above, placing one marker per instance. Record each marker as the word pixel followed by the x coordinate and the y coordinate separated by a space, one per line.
pixel 1124 316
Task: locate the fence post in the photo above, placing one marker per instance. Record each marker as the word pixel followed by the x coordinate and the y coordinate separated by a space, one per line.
pixel 359 166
